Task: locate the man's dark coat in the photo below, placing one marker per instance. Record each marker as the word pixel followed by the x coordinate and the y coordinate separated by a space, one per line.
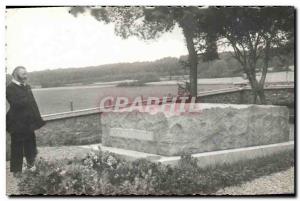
pixel 23 114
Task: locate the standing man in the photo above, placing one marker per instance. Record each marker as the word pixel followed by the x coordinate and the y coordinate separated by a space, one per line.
pixel 22 119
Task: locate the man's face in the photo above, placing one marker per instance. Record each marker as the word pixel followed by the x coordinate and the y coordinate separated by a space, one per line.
pixel 21 75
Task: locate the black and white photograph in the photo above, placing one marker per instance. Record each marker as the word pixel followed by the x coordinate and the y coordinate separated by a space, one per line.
pixel 150 100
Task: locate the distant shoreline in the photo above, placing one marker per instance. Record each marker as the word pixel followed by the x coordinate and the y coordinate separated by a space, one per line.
pixel 272 77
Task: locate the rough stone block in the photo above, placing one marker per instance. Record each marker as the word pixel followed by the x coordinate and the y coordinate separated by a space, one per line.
pixel 211 127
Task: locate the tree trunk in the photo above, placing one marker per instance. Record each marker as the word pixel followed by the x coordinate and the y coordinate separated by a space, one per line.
pixel 193 60
pixel 262 97
pixel 258 93
pixel 252 80
pixel 254 96
pixel 261 92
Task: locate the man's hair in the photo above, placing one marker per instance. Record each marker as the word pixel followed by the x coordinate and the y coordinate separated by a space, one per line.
pixel 16 70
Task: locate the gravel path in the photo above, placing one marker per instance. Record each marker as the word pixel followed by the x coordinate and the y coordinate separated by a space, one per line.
pixel 11 182
pixel 277 183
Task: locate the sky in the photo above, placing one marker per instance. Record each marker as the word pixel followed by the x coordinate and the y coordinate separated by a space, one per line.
pixel 51 38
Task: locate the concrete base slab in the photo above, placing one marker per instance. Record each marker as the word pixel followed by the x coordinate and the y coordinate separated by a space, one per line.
pixel 204 159
pixel 233 155
pixel 125 153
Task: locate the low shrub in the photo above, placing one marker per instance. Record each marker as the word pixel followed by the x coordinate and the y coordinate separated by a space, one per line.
pixel 103 173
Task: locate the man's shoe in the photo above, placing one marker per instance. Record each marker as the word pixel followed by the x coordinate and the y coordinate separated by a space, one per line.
pixel 32 168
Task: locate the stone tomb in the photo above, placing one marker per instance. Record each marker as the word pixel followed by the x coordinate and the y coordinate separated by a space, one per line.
pixel 210 127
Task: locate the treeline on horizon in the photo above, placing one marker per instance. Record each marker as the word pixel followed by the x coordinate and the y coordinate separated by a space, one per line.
pixel 225 66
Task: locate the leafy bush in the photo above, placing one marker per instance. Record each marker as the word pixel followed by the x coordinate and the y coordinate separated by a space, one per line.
pixel 103 173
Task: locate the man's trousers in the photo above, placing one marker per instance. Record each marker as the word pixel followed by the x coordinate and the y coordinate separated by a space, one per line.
pixel 20 148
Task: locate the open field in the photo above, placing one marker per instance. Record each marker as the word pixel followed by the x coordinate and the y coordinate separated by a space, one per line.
pixel 55 100
pixel 272 77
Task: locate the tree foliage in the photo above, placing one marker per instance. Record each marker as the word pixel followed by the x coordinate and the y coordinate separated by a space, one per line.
pixel 150 22
pixel 254 33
